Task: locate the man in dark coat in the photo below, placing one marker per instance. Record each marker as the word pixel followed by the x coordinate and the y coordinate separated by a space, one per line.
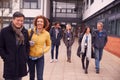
pixel 14 48
pixel 99 42
pixel 56 35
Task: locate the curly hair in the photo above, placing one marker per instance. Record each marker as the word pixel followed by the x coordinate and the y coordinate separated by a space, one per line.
pixel 46 22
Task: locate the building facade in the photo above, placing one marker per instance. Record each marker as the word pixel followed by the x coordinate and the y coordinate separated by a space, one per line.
pixel 108 12
pixel 30 8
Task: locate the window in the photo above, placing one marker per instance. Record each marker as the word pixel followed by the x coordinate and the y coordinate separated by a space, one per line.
pixel 58 10
pixel 69 11
pixel 118 27
pixel 63 10
pixel 87 2
pixel 113 28
pixel 28 23
pixel 118 8
pixel 5 4
pixel 31 4
pixel 91 2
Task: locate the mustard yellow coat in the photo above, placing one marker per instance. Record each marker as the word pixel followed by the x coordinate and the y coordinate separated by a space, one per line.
pixel 42 43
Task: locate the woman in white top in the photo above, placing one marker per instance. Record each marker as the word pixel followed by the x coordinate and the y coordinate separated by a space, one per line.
pixel 86 46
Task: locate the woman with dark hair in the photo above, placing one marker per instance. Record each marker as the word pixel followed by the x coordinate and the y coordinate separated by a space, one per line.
pixel 86 46
pixel 39 44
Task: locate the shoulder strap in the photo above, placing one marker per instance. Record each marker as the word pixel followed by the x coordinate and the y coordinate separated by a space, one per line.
pixel 31 33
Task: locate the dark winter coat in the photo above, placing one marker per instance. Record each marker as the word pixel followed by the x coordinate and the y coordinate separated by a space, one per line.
pixel 99 41
pixel 14 56
pixel 65 38
pixel 55 41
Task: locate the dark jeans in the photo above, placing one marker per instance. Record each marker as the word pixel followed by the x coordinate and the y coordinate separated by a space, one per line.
pixel 83 60
pixel 52 51
pixel 68 51
pixel 39 64
pixel 14 79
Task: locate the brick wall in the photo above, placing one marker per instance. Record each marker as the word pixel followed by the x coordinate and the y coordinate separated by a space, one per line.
pixel 113 46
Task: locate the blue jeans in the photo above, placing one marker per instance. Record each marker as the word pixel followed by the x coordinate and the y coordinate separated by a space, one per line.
pixel 39 64
pixel 52 51
pixel 98 57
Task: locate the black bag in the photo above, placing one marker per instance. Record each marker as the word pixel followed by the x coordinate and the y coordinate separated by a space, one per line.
pixel 78 51
pixel 93 53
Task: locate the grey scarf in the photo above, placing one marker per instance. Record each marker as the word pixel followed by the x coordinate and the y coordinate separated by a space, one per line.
pixel 19 35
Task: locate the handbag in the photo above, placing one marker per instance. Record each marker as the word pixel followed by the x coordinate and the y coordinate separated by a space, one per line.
pixel 93 53
pixel 79 51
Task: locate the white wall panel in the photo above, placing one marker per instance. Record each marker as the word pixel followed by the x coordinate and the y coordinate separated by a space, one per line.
pixel 95 7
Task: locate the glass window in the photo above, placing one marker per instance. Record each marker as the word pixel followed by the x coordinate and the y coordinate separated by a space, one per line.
pixel 58 10
pixel 63 10
pixel 26 26
pixel 26 5
pixel 28 23
pixel 113 27
pixel 69 10
pixel 118 27
pixel 118 8
pixel 31 4
pixel 87 2
pixel 63 23
pixel 5 4
pixel 74 23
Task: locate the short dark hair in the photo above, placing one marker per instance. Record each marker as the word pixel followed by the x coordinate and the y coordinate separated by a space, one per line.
pixel 56 23
pixel 18 14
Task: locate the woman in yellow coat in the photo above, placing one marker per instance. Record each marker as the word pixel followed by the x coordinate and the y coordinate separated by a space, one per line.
pixel 39 44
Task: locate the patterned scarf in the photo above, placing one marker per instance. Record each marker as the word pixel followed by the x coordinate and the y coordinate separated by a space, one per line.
pixel 19 35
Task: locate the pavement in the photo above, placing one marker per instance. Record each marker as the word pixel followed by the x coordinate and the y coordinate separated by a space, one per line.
pixel 62 70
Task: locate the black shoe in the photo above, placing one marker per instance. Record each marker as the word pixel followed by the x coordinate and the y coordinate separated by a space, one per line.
pixel 86 72
pixel 69 61
pixel 97 71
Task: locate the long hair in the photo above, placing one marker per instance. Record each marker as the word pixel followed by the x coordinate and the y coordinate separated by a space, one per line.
pixel 86 29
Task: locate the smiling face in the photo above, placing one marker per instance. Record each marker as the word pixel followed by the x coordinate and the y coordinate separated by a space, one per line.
pixel 40 23
pixel 18 22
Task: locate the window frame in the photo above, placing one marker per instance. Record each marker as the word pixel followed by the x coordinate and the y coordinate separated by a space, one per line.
pixel 38 4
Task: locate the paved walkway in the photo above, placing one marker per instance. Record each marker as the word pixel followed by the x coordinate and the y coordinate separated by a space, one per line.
pixel 62 70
